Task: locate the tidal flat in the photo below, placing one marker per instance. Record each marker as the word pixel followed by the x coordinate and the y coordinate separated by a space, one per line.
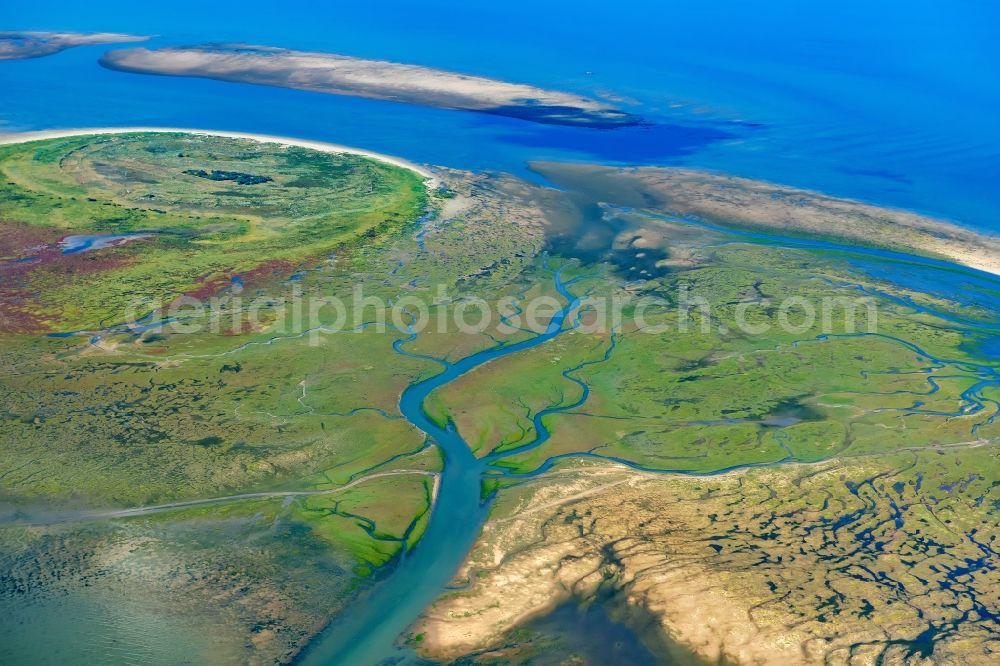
pixel 826 496
pixel 872 559
pixel 745 203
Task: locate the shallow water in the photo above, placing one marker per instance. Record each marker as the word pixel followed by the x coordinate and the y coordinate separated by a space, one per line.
pixel 590 636
pixel 86 243
pixel 106 626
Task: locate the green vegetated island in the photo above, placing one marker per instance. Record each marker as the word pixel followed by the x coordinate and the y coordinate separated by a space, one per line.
pixel 223 490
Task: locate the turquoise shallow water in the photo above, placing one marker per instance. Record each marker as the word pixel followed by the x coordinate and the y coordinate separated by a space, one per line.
pixel 893 103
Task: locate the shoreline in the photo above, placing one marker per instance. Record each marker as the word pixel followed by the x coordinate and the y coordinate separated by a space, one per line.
pixel 339 74
pixel 736 202
pixel 430 180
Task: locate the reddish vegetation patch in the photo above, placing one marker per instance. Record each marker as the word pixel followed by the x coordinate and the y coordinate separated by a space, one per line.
pixel 31 261
pixel 209 286
pixel 20 241
pixel 262 275
pixel 26 249
pixel 16 315
pixel 31 256
pixel 266 274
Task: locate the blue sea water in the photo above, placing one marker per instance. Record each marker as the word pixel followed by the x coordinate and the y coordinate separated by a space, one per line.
pixel 891 102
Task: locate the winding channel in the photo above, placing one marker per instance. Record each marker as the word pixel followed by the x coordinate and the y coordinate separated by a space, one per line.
pixel 367 632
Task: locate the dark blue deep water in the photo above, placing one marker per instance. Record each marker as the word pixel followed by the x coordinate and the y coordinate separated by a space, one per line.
pixel 892 102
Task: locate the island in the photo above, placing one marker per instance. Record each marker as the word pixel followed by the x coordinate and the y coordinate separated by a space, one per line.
pixel 22 45
pixel 375 79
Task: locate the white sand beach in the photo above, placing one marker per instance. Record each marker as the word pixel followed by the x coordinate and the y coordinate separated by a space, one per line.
pixel 21 137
